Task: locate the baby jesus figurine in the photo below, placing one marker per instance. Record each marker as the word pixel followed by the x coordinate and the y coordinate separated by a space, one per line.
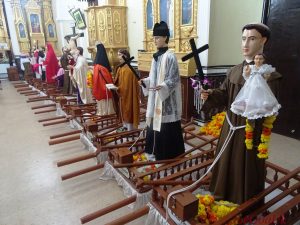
pixel 255 99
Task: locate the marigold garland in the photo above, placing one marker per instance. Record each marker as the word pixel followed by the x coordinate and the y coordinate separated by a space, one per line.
pixel 89 79
pixel 214 126
pixel 141 157
pixel 210 211
pixel 264 138
pixel 249 136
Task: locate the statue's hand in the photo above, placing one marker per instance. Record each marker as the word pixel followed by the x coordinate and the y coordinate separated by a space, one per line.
pixel 247 70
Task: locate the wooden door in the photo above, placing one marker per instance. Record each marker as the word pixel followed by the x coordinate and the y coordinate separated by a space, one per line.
pixel 283 52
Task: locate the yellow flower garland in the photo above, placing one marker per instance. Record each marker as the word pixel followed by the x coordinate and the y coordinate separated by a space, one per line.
pixel 214 126
pixel 141 157
pixel 89 79
pixel 264 138
pixel 249 136
pixel 210 211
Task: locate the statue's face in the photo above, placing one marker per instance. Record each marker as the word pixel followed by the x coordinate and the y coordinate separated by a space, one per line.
pixel 159 41
pixel 259 60
pixel 120 57
pixel 252 43
pixel 65 49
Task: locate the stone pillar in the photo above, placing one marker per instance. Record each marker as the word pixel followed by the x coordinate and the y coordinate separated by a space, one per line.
pixel 49 25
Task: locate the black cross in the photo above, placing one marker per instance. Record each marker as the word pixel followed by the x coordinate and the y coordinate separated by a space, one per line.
pixel 128 61
pixel 195 53
pixel 73 34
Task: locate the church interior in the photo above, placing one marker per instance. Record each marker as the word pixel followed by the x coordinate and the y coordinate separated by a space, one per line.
pixel 71 154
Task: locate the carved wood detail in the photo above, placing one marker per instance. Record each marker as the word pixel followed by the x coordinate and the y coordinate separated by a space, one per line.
pixel 108 24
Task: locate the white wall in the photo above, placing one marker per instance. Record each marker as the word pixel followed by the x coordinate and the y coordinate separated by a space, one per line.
pixel 203 28
pixel 135 22
pixel 226 22
pixel 63 21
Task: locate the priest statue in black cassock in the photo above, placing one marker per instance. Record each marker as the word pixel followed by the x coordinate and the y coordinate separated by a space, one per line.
pixel 163 117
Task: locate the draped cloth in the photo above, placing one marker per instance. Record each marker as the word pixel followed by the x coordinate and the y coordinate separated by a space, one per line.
pixel 256 100
pixel 51 63
pixel 101 77
pixel 128 90
pixel 240 174
pixel 79 76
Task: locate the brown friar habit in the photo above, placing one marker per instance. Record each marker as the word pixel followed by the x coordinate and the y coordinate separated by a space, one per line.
pixel 64 62
pixel 240 174
pixel 128 90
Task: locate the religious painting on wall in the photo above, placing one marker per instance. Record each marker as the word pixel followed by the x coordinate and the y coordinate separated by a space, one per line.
pixel 149 15
pixel 187 12
pixel 166 10
pixel 79 19
pixel 51 31
pixel 22 33
pixel 35 23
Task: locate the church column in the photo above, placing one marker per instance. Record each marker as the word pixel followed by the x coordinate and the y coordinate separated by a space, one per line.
pixel 20 31
pixel 4 40
pixel 177 26
pixel 49 24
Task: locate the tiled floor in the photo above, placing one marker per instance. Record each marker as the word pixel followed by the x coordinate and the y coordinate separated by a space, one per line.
pixel 31 192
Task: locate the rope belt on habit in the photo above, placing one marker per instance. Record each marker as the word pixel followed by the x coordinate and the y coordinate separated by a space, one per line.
pixel 232 129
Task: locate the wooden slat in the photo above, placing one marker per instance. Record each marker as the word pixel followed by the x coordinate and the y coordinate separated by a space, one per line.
pixel 108 209
pixel 80 172
pixel 64 140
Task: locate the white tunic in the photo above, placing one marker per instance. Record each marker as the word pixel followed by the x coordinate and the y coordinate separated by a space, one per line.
pixel 255 99
pixel 169 94
pixel 79 76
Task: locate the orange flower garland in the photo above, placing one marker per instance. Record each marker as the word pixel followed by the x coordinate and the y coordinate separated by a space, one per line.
pixel 141 157
pixel 214 126
pixel 89 79
pixel 138 157
pixel 264 138
pixel 210 211
pixel 249 136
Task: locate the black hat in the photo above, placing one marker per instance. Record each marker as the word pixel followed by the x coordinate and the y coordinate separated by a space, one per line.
pixel 161 29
